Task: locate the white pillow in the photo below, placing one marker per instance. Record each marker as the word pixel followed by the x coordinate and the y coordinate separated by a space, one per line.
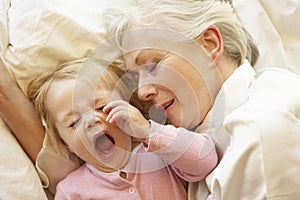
pixel 18 177
pixel 274 27
pixel 285 15
pixel 48 33
pixel 44 34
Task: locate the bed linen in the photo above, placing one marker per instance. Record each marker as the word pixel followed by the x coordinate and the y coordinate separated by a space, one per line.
pixel 45 33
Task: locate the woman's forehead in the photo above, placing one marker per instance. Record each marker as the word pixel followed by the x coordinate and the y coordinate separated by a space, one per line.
pixel 147 37
pixel 141 57
pixel 130 59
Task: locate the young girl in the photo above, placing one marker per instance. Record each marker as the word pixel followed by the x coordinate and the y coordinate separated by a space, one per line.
pixel 71 100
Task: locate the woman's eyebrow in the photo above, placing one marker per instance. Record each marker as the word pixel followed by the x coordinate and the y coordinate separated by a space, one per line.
pixel 152 54
pixel 136 61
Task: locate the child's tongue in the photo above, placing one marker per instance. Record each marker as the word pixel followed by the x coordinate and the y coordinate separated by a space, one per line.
pixel 104 144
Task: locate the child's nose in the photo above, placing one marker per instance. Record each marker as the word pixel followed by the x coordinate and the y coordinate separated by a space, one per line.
pixel 91 123
pixel 91 120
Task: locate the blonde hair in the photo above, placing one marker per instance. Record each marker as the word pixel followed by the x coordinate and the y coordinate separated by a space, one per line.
pixel 90 70
pixel 187 17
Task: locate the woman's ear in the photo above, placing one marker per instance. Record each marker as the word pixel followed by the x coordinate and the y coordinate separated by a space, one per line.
pixel 212 41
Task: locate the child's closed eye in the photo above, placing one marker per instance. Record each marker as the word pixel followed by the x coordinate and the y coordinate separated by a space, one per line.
pixel 100 108
pixel 73 123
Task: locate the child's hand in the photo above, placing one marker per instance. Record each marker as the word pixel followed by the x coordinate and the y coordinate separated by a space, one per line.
pixel 128 118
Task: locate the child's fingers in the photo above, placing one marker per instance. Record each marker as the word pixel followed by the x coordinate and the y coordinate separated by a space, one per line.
pixel 112 105
pixel 119 115
pixel 113 114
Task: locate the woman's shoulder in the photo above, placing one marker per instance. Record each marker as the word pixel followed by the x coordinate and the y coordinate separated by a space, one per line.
pixel 276 88
pixel 273 92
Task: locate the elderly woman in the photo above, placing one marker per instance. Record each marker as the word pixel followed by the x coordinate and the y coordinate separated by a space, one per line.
pixel 194 60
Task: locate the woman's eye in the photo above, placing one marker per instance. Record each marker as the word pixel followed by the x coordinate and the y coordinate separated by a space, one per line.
pixel 151 67
pixel 73 123
pixel 132 75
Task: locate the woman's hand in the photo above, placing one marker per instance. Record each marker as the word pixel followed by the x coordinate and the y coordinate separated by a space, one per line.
pixel 18 113
pixel 128 118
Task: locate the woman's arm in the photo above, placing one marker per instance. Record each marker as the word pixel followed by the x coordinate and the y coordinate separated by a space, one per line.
pixel 18 113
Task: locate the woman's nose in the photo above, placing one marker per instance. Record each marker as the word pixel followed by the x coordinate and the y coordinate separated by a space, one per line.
pixel 147 92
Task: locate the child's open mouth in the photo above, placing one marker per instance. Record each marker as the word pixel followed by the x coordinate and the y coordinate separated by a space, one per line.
pixel 105 145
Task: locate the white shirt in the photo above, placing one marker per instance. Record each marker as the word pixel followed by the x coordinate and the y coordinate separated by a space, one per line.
pixel 259 142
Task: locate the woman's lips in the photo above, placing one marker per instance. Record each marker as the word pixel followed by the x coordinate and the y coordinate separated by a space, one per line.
pixel 168 104
pixel 165 105
pixel 105 145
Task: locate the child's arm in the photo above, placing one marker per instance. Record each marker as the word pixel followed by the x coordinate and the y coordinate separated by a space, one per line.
pixel 192 156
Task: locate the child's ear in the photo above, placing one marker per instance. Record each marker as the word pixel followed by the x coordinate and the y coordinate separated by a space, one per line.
pixel 212 41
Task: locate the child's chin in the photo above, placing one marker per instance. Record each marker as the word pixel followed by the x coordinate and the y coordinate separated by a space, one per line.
pixel 120 159
pixel 107 155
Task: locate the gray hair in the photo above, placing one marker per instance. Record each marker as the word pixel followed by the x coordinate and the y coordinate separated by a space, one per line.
pixel 187 17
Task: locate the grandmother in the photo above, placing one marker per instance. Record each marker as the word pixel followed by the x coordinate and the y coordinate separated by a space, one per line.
pixel 194 60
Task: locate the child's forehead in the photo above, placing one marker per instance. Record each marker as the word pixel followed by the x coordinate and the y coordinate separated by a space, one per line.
pixel 103 93
pixel 107 93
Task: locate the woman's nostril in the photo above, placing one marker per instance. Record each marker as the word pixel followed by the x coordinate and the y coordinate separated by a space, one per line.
pixel 148 96
pixel 147 92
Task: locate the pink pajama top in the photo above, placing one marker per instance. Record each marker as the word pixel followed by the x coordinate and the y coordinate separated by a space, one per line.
pixel 173 157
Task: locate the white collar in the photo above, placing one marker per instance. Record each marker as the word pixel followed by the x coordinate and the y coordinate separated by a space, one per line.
pixel 233 93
